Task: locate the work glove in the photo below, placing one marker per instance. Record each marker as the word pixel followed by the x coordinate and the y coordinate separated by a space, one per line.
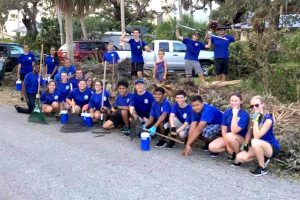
pixel 152 131
pixel 255 117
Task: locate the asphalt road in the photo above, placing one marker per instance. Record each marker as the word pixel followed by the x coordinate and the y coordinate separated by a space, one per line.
pixel 39 162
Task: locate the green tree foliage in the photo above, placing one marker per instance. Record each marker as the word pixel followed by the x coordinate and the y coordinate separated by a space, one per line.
pixel 166 29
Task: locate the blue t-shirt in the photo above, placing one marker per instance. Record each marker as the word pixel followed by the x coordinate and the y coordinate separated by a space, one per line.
pixel 269 135
pixel 70 71
pixel 209 114
pixel 243 121
pixel 136 49
pixel 51 63
pixel 157 109
pixel 182 114
pixel 123 100
pixel 74 81
pixel 26 63
pixel 96 100
pixel 192 49
pixel 142 103
pixel 63 89
pixel 49 98
pixel 221 46
pixel 31 82
pixel 80 98
pixel 111 57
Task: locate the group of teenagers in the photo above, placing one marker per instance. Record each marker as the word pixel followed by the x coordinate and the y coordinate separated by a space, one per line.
pixel 244 137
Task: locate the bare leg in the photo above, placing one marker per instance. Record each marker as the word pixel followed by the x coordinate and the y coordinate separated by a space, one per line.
pixel 202 81
pixel 261 149
pixel 217 146
pixel 139 74
pixel 108 125
pixel 125 117
pixel 235 141
pixel 245 156
pixel 223 77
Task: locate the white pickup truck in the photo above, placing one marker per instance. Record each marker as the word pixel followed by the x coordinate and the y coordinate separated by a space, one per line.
pixel 174 55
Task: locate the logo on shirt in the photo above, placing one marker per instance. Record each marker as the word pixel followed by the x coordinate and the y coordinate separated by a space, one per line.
pixel 146 101
pixel 29 58
pixel 196 44
pixel 128 100
pixel 138 47
pixel 112 55
pixel 67 87
pixel 161 109
pixel 86 97
pixel 104 99
pixel 56 97
pixel 52 60
pixel 184 115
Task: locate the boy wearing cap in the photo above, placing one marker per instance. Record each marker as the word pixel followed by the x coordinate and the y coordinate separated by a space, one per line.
pixel 193 47
pixel 221 52
pixel 159 115
pixel 140 101
pixel 206 120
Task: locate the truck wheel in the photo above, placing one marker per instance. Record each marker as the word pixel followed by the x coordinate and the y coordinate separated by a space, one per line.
pixel 206 66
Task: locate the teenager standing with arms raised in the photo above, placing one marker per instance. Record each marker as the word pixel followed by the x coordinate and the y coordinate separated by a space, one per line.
pixel 136 47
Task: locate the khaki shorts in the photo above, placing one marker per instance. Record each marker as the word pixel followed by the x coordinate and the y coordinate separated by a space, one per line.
pixel 191 65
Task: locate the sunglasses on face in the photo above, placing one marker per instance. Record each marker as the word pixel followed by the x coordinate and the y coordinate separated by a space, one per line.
pixel 255 105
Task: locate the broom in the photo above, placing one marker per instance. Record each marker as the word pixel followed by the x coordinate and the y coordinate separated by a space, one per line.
pixel 37 116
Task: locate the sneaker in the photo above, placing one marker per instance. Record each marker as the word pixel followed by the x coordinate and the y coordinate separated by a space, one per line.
pixel 123 129
pixel 170 145
pixel 214 155
pixel 205 147
pixel 267 160
pixel 127 132
pixel 236 164
pixel 258 171
pixel 231 157
pixel 161 143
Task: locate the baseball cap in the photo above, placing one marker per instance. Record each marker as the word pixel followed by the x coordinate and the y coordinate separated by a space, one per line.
pixel 139 81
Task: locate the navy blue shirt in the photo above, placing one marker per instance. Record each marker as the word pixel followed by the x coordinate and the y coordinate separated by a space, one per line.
pixel 96 100
pixel 243 121
pixel 269 135
pixel 157 109
pixel 26 63
pixel 123 100
pixel 70 71
pixel 136 49
pixel 192 49
pixel 209 114
pixel 49 98
pixel 63 89
pixel 80 98
pixel 142 103
pixel 74 81
pixel 31 82
pixel 111 57
pixel 182 114
pixel 221 46
pixel 51 63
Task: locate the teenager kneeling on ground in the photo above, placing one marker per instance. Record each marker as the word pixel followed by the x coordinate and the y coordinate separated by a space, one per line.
pixel 159 115
pixel 234 128
pixel 79 97
pixel 141 101
pixel 50 99
pixel 180 117
pixel 206 120
pixel 120 115
pixel 264 145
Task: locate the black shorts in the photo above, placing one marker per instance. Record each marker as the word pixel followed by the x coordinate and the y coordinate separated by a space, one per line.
pixel 22 77
pixel 275 151
pixel 116 119
pixel 221 65
pixel 136 67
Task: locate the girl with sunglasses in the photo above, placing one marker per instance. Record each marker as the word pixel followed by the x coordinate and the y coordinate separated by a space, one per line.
pixel 234 128
pixel 264 145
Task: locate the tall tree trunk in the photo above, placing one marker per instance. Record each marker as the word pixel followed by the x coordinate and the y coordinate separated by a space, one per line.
pixel 69 33
pixel 122 5
pixel 83 28
pixel 180 9
pixel 60 23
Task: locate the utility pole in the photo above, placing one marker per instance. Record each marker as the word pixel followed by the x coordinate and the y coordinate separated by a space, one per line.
pixel 122 15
